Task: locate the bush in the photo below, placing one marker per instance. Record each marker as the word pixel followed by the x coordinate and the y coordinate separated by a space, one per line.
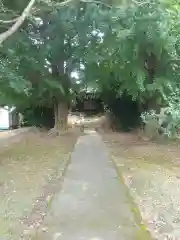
pixel 39 117
pixel 167 122
pixel 125 114
pixel 151 124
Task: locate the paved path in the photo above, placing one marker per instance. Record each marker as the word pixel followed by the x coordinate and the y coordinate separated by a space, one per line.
pixel 92 204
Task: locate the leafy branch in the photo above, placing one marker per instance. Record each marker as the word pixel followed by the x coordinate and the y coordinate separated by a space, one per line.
pixel 19 21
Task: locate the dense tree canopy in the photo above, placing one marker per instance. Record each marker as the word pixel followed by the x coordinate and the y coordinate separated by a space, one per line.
pixel 131 47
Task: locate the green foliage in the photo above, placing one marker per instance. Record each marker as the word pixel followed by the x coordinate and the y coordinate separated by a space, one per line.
pixel 151 124
pixel 172 114
pixel 38 116
pixel 33 58
pixel 139 49
pixel 125 111
pixel 168 121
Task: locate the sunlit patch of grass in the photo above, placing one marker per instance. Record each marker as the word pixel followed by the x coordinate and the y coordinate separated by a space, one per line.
pixel 25 167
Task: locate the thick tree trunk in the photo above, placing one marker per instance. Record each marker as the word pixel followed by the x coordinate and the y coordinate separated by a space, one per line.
pixel 153 104
pixel 151 64
pixel 61 99
pixel 61 117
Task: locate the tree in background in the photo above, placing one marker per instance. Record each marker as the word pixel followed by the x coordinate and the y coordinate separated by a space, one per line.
pixel 130 48
pixel 142 59
pixel 43 56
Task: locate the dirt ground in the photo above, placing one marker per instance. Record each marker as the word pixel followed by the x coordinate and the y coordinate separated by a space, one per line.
pixel 31 169
pixel 152 173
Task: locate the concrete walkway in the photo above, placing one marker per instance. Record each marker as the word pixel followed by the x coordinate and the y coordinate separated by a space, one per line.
pixel 93 204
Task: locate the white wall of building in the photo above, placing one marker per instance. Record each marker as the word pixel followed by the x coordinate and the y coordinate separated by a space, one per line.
pixel 4 118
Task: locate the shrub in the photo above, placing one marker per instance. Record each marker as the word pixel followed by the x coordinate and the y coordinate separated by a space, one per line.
pixel 167 122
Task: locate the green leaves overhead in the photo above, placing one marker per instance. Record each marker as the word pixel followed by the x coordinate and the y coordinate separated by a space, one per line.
pixel 132 48
pixel 140 48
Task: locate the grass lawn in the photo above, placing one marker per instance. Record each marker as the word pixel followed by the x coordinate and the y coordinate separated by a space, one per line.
pixel 152 173
pixel 31 170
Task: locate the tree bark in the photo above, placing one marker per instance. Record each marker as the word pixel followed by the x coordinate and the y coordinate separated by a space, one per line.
pixel 153 105
pixel 61 117
pixel 61 100
pixel 150 65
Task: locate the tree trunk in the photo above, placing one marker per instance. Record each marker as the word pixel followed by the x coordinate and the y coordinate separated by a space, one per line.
pixel 151 64
pixel 59 73
pixel 153 104
pixel 61 117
